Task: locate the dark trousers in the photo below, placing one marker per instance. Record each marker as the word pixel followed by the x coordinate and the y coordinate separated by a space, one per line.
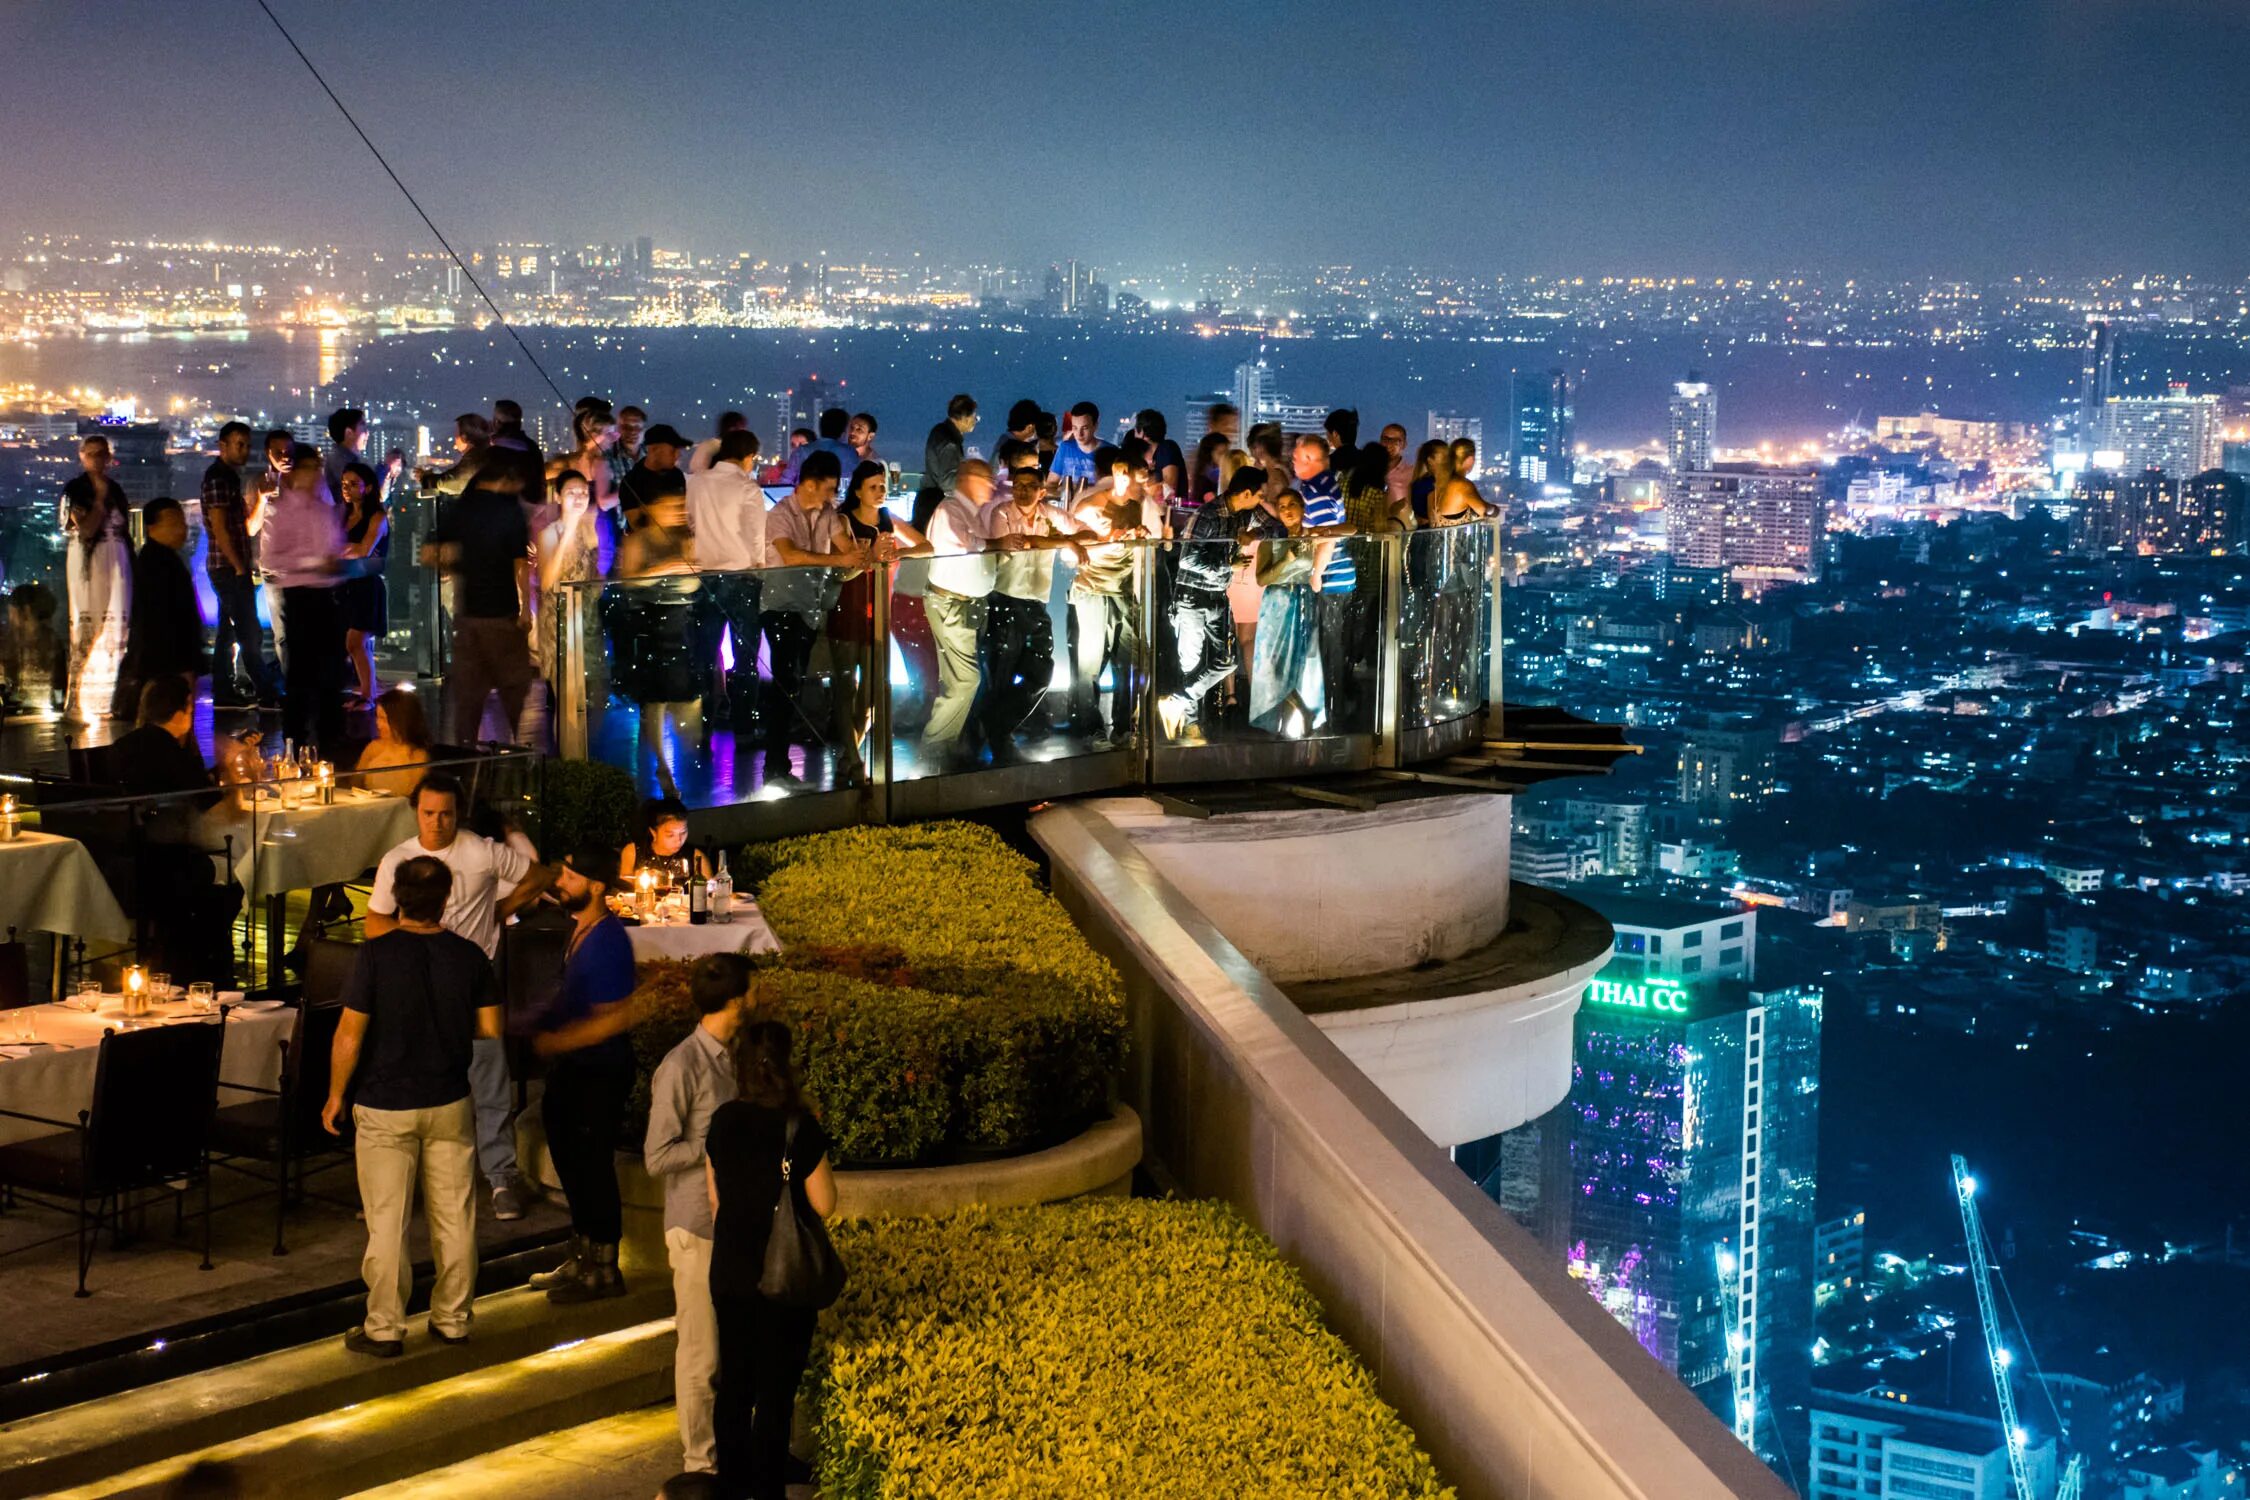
pixel 489 655
pixel 789 643
pixel 1202 646
pixel 584 1106
pixel 763 1348
pixel 239 632
pixel 728 604
pixel 1019 663
pixel 1347 651
pixel 314 712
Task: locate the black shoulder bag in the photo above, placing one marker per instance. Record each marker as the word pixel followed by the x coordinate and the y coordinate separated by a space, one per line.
pixel 802 1267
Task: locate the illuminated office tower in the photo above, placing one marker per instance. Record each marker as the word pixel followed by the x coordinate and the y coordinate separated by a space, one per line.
pixel 1694 426
pixel 1539 431
pixel 2176 432
pixel 2148 514
pixel 2097 380
pixel 1726 767
pixel 1763 525
pixel 1677 1180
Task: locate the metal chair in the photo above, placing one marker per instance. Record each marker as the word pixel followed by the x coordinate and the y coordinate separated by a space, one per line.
pixel 328 968
pixel 281 1127
pixel 155 1091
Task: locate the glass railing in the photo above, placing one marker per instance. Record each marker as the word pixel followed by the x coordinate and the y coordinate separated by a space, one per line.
pixel 978 678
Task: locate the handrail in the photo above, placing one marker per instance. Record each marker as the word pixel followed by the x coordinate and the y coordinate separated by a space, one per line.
pixel 1433 595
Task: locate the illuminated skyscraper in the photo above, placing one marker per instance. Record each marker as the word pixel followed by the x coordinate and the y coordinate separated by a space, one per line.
pixel 2097 380
pixel 1762 525
pixel 1539 431
pixel 2176 432
pixel 1694 426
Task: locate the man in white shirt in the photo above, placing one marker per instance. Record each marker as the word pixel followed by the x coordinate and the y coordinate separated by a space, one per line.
pixel 706 453
pixel 727 513
pixel 1026 529
pixel 491 882
pixel 1105 615
pixel 954 600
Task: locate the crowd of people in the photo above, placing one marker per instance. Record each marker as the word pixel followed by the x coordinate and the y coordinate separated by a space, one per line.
pixel 1265 622
pixel 420 1075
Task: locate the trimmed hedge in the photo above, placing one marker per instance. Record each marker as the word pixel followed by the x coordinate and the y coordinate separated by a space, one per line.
pixel 1097 1348
pixel 941 999
pixel 871 1056
pixel 1038 1030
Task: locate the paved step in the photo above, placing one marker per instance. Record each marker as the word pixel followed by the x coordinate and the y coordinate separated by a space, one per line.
pixel 89 1442
pixel 427 1426
pixel 626 1455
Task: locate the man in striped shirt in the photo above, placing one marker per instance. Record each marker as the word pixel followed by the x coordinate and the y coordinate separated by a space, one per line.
pixel 1346 643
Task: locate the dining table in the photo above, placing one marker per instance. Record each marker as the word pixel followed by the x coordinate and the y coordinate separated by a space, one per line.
pixel 282 846
pixel 48 1053
pixel 49 883
pixel 748 932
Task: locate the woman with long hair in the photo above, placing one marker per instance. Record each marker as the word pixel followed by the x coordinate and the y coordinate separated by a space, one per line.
pixel 364 598
pixel 749 1153
pixel 1288 689
pixel 851 622
pixel 400 752
pixel 99 562
pixel 569 551
pixel 662 844
pixel 1433 471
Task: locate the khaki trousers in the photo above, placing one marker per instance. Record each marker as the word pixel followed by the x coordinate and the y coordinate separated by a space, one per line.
pixel 695 1368
pixel 954 623
pixel 394 1147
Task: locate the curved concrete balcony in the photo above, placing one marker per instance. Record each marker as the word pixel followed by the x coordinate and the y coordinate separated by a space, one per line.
pixel 1398 931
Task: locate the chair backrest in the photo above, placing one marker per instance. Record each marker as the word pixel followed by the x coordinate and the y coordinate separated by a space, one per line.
pixel 305 1072
pixel 328 964
pixel 15 972
pixel 154 1093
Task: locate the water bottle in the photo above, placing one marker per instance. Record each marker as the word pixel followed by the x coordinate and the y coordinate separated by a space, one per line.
pixel 722 892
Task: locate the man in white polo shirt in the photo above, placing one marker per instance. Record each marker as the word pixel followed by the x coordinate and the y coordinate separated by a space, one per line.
pixel 491 882
pixel 727 513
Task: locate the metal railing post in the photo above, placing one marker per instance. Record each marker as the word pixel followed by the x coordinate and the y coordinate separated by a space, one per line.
pixel 1495 697
pixel 1389 689
pixel 1147 559
pixel 569 695
pixel 876 798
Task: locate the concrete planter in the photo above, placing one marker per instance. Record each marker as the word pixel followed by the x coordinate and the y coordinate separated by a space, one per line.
pixel 1098 1160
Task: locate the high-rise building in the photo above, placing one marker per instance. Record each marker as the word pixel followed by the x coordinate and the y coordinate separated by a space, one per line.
pixel 1726 766
pixel 1445 426
pixel 2175 432
pixel 1878 1446
pixel 143 454
pixel 644 255
pixel 1692 1127
pixel 1840 1255
pixel 1539 431
pixel 2150 513
pixel 2097 380
pixel 1694 426
pixel 1763 525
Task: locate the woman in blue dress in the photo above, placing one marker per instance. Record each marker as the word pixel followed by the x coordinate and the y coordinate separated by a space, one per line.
pixel 1288 694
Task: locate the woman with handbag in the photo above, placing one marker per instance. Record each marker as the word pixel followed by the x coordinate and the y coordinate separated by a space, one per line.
pixel 772 1267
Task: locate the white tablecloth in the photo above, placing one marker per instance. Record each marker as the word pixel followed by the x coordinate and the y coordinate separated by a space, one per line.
pixel 50 884
pixel 58 1080
pixel 278 849
pixel 747 933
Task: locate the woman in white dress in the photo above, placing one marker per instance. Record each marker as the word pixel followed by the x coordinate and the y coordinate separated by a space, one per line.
pixel 99 563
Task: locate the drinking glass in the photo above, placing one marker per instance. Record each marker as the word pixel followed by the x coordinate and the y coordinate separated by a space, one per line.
pixel 159 988
pixel 89 995
pixel 27 1025
pixel 202 998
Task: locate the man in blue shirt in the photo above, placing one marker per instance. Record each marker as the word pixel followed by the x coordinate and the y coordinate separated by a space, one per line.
pixel 834 423
pixel 1346 643
pixel 1082 460
pixel 590 1060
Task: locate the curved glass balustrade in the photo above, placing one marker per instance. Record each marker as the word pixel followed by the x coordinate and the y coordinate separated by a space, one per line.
pixel 977 679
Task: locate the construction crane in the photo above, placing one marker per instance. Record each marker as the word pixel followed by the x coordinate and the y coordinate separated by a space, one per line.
pixel 2073 1482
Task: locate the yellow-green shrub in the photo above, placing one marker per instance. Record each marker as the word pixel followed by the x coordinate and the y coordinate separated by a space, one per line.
pixel 1108 1347
pixel 1041 1025
pixel 871 1057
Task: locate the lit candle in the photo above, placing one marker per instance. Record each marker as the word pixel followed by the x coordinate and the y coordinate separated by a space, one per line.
pixel 647 882
pixel 136 983
pixel 325 776
pixel 10 824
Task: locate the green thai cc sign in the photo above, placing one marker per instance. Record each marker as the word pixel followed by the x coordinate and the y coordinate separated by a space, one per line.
pixel 1663 996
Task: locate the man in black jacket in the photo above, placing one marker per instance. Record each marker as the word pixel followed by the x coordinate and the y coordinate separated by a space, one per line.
pixel 164 633
pixel 941 457
pixel 188 915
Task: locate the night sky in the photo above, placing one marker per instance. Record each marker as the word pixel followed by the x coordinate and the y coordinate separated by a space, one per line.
pixel 1879 137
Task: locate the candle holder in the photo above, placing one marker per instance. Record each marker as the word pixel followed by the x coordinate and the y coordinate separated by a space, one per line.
pixel 324 775
pixel 646 882
pixel 11 823
pixel 136 991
